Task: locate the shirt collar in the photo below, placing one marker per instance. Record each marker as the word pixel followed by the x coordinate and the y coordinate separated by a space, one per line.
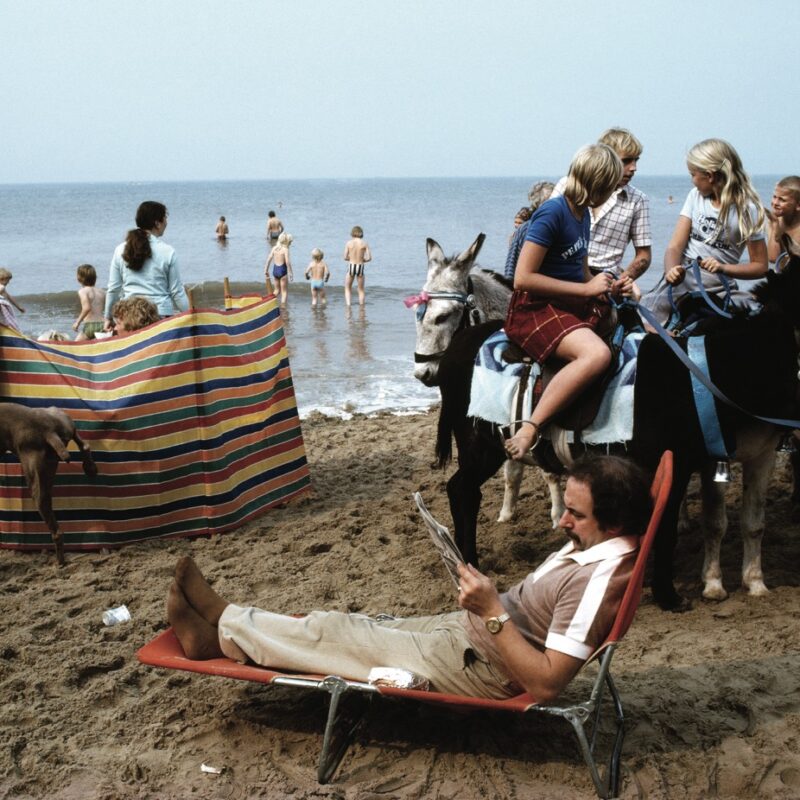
pixel 611 548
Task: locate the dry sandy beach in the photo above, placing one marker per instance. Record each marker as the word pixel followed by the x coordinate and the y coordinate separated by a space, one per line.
pixel 712 696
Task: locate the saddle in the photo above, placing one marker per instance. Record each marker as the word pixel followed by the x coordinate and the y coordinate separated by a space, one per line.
pixel 583 409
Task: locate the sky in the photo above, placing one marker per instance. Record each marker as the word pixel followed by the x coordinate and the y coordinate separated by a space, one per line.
pixel 115 90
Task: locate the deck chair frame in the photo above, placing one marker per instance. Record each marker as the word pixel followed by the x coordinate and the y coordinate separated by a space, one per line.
pixel 343 722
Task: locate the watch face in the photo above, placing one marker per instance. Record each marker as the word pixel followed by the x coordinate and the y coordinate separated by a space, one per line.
pixel 493 625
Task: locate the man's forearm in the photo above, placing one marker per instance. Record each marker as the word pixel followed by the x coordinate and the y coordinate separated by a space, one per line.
pixel 638 266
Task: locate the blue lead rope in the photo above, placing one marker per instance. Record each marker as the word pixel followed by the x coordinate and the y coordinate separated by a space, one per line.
pixel 699 375
pixel 704 401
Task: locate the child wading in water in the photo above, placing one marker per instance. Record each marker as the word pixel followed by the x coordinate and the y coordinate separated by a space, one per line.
pixel 356 254
pixel 721 216
pixel 7 302
pixel 785 216
pixel 93 301
pixel 556 302
pixel 319 273
pixel 281 265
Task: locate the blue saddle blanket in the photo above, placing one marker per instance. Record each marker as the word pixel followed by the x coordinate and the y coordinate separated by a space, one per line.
pixel 495 384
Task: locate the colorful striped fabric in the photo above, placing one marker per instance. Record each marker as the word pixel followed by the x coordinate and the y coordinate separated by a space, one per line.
pixel 192 422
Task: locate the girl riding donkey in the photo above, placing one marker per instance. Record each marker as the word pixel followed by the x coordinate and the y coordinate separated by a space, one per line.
pixel 556 303
pixel 722 214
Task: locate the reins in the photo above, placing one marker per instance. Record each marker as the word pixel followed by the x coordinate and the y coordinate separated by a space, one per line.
pixel 470 315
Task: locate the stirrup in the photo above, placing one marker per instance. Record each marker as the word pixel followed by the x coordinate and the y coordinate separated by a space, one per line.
pixel 507 429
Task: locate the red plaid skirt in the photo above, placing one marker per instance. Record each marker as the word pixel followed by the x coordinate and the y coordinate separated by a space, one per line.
pixel 539 324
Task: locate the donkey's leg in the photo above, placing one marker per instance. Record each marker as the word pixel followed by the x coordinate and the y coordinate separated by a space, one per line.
pixel 756 473
pixel 464 493
pixel 512 471
pixel 556 497
pixel 714 524
pixel 664 547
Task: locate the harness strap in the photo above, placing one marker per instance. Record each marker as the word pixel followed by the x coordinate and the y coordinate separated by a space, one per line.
pixel 701 289
pixel 701 376
pixel 704 401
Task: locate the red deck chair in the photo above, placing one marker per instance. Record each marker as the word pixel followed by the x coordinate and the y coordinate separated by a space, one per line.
pixel 165 651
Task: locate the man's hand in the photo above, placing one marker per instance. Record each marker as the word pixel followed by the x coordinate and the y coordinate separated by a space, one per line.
pixel 477 593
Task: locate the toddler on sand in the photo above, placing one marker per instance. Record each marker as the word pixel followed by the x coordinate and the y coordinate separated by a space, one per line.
pixel 7 302
pixel 319 273
pixel 93 301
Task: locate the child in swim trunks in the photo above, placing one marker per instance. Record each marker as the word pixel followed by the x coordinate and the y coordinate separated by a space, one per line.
pixel 7 302
pixel 319 274
pixel 356 254
pixel 557 303
pixel 93 301
pixel 281 265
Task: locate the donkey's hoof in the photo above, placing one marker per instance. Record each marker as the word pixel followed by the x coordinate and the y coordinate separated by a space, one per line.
pixel 668 599
pixel 757 589
pixel 714 590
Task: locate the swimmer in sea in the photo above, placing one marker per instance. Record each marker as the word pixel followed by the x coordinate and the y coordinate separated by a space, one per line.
pixel 319 274
pixel 221 230
pixel 281 265
pixel 274 227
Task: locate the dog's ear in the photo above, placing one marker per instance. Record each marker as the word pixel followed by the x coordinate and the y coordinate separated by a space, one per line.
pixel 54 440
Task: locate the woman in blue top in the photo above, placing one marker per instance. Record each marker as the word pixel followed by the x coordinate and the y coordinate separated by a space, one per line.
pixel 556 302
pixel 144 266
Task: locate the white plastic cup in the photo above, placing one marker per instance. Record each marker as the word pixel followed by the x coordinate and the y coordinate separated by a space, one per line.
pixel 113 616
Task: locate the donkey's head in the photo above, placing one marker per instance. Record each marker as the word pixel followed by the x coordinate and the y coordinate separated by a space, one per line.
pixel 444 306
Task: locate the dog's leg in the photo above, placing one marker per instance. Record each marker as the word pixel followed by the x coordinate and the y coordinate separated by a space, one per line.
pixel 40 472
pixel 89 466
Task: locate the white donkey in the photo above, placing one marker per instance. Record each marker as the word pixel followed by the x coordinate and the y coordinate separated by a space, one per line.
pixel 457 295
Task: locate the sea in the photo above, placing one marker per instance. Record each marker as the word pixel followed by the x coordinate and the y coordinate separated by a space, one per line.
pixel 344 360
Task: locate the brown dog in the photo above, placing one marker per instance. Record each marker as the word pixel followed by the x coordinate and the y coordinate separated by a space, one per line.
pixel 39 438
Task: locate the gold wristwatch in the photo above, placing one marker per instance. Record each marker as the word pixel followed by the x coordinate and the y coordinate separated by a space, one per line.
pixel 495 624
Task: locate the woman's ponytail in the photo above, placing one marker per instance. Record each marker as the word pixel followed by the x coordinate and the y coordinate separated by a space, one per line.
pixel 137 244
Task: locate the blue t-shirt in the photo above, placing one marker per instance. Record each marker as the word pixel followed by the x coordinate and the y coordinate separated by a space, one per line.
pixel 553 226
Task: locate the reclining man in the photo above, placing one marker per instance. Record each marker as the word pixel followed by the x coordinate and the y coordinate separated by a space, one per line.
pixel 534 637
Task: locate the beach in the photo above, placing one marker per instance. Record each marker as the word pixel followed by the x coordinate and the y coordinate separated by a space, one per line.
pixel 712 696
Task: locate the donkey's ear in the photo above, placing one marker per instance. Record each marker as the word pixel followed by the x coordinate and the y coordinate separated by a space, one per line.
pixel 435 253
pixel 471 253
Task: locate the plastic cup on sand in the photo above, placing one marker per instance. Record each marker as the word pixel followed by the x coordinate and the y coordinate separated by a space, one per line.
pixel 113 616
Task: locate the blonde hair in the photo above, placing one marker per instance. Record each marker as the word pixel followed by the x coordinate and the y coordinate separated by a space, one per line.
pixel 622 142
pixel 792 184
pixel 722 162
pixel 593 174
pixel 135 312
pixel 285 239
pixel 317 254
pixel 5 275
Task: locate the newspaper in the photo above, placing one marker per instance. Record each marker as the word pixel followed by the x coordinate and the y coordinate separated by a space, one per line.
pixel 450 554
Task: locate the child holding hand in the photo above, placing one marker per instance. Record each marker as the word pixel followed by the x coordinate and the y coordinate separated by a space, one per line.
pixel 319 274
pixel 7 302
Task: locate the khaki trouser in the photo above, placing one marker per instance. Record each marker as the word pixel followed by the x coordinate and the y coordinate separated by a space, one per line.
pixel 349 645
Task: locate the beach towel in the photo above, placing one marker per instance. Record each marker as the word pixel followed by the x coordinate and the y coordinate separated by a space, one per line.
pixel 495 383
pixel 192 422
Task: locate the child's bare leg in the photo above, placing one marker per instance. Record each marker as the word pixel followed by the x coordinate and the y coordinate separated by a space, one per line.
pixel 323 297
pixel 313 296
pixel 588 357
pixel 348 283
pixel 361 290
pixel 199 639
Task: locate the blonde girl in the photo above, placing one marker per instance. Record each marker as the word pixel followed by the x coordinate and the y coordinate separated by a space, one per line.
pixel 281 265
pixel 556 303
pixel 721 217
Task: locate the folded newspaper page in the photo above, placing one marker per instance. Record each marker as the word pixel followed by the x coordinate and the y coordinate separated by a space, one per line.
pixel 450 554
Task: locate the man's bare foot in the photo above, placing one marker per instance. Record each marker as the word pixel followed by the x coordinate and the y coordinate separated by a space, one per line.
pixel 198 638
pixel 198 592
pixel 521 443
